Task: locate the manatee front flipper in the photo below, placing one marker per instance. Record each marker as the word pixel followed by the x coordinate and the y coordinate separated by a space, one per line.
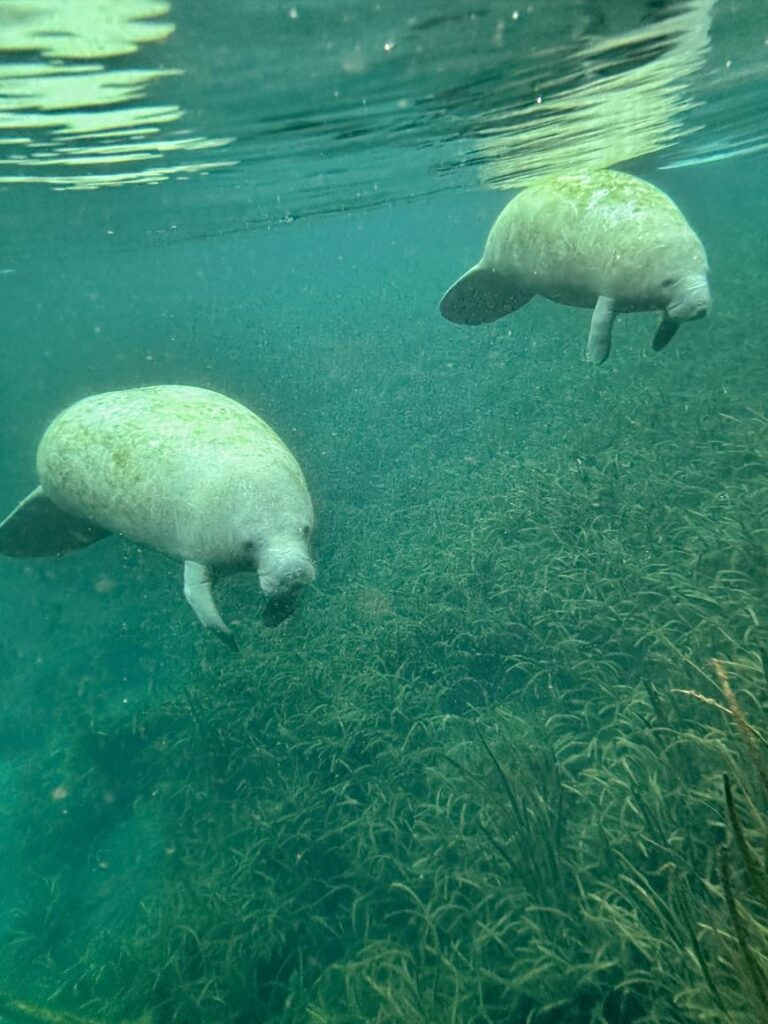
pixel 198 582
pixel 599 340
pixel 666 331
pixel 480 296
pixel 37 527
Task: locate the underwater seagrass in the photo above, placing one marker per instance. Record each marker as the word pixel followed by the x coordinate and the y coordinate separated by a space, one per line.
pixel 31 1013
pixel 336 840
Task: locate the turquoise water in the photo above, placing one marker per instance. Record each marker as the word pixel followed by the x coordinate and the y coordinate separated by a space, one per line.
pixel 477 777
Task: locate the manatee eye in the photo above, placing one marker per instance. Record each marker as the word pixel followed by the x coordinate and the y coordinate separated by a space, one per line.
pixel 667 282
pixel 305 530
pixel 248 545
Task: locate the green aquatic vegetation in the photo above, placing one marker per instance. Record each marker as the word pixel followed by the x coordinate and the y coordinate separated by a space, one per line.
pixel 477 778
pixel 18 1010
pixel 665 903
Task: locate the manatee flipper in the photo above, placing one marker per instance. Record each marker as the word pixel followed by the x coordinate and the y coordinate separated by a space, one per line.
pixel 37 527
pixel 480 296
pixel 665 332
pixel 599 340
pixel 198 591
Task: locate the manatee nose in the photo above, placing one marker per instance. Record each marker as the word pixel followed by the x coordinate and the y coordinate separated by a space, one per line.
pixel 301 576
pixel 283 592
pixel 287 578
pixel 693 306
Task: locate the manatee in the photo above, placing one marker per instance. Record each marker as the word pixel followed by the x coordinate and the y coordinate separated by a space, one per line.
pixel 186 471
pixel 604 240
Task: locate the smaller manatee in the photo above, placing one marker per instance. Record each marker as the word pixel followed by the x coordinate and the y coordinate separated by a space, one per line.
pixel 184 470
pixel 604 240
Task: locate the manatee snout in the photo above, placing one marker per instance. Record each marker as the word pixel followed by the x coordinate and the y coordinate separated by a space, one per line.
pixel 692 300
pixel 287 575
pixel 297 578
pixel 282 584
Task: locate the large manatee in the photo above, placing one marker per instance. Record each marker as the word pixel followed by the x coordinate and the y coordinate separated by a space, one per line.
pixel 183 470
pixel 600 239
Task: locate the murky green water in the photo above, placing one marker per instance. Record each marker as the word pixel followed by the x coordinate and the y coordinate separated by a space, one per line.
pixel 506 763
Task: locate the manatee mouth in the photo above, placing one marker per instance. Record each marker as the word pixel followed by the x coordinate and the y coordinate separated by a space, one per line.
pixel 689 308
pixel 686 310
pixel 282 581
pixel 693 305
pixel 283 587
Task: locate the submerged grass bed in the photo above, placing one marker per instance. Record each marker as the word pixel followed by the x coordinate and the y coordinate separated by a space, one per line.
pixel 508 763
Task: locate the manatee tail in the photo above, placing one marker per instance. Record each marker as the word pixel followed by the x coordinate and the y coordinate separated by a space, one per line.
pixel 480 296
pixel 37 527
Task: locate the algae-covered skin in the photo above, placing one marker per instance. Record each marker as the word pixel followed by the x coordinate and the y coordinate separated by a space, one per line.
pixel 184 470
pixel 601 239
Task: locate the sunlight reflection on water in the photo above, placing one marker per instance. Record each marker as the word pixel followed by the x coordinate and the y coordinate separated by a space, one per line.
pixel 66 115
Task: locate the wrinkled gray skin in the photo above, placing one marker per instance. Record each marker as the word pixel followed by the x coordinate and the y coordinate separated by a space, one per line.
pixel 602 240
pixel 183 470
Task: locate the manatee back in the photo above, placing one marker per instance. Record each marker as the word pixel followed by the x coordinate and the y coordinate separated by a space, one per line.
pixel 148 462
pixel 575 237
